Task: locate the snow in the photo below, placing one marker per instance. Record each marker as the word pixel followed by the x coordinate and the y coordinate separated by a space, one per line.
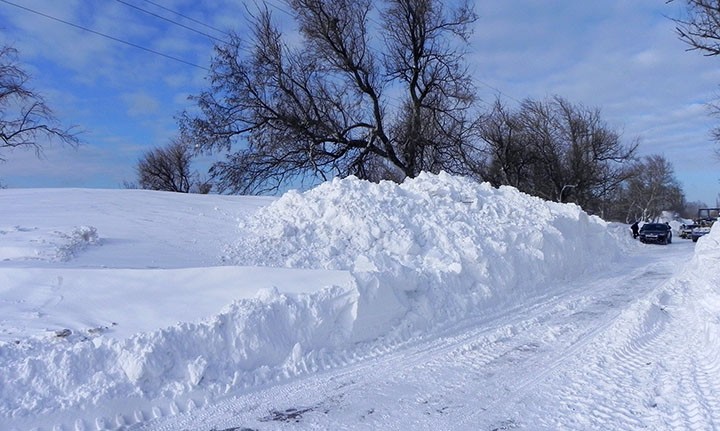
pixel 439 303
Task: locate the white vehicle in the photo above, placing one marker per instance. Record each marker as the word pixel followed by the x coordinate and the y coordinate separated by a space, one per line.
pixel 705 219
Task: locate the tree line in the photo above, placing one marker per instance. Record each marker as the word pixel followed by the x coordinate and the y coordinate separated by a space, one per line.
pixel 565 152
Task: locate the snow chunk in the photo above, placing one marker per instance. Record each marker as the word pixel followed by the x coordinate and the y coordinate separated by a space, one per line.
pixel 78 240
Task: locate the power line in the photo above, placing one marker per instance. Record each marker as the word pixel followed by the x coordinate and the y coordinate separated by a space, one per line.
pixel 497 90
pixel 274 6
pixel 169 20
pixel 170 57
pixel 186 17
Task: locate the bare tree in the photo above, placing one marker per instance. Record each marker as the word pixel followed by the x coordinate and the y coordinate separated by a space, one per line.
pixel 509 161
pixel 700 29
pixel 26 121
pixel 596 161
pixel 651 190
pixel 372 97
pixel 542 126
pixel 556 150
pixel 169 169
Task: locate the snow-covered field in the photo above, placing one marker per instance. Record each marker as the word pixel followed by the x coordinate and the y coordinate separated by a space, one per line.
pixel 436 304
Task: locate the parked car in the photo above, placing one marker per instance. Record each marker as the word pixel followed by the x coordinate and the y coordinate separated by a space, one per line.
pixel 660 233
pixel 701 229
pixel 705 219
pixel 686 230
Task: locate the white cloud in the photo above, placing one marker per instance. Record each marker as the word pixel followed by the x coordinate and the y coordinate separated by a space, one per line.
pixel 140 104
pixel 647 58
pixel 62 166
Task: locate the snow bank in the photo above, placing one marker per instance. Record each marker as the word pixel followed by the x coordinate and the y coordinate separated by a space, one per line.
pixel 709 244
pixel 430 250
pixel 251 342
pixel 119 303
pixel 698 287
pixel 420 254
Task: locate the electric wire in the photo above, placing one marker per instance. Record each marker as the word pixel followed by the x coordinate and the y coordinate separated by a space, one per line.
pixel 186 17
pixel 113 38
pixel 278 8
pixel 497 90
pixel 170 57
pixel 170 21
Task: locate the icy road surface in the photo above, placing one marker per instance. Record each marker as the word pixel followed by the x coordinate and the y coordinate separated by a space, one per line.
pixel 601 353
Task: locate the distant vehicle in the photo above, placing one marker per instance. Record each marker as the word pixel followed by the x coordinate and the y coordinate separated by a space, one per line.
pixel 659 233
pixel 686 230
pixel 705 219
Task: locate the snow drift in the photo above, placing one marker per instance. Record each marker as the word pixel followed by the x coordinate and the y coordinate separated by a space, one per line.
pixel 420 255
pixel 430 250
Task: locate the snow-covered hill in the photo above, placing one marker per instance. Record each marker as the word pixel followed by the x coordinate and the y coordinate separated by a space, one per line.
pixel 131 309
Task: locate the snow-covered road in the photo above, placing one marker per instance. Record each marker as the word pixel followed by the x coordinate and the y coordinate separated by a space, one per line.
pixel 600 353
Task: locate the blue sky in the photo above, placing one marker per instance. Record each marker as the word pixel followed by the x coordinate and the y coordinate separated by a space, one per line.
pixel 621 56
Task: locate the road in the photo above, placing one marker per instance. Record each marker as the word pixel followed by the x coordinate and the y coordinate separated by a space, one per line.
pixel 608 351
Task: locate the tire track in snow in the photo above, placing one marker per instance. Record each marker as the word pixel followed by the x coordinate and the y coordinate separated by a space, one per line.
pixel 698 408
pixel 708 381
pixel 694 413
pixel 570 383
pixel 488 354
pixel 661 386
pixel 686 384
pixel 607 388
pixel 484 359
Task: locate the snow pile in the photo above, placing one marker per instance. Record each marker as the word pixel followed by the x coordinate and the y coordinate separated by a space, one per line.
pixel 419 255
pixel 431 223
pixel 698 288
pixel 709 245
pixel 433 249
pixel 695 290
